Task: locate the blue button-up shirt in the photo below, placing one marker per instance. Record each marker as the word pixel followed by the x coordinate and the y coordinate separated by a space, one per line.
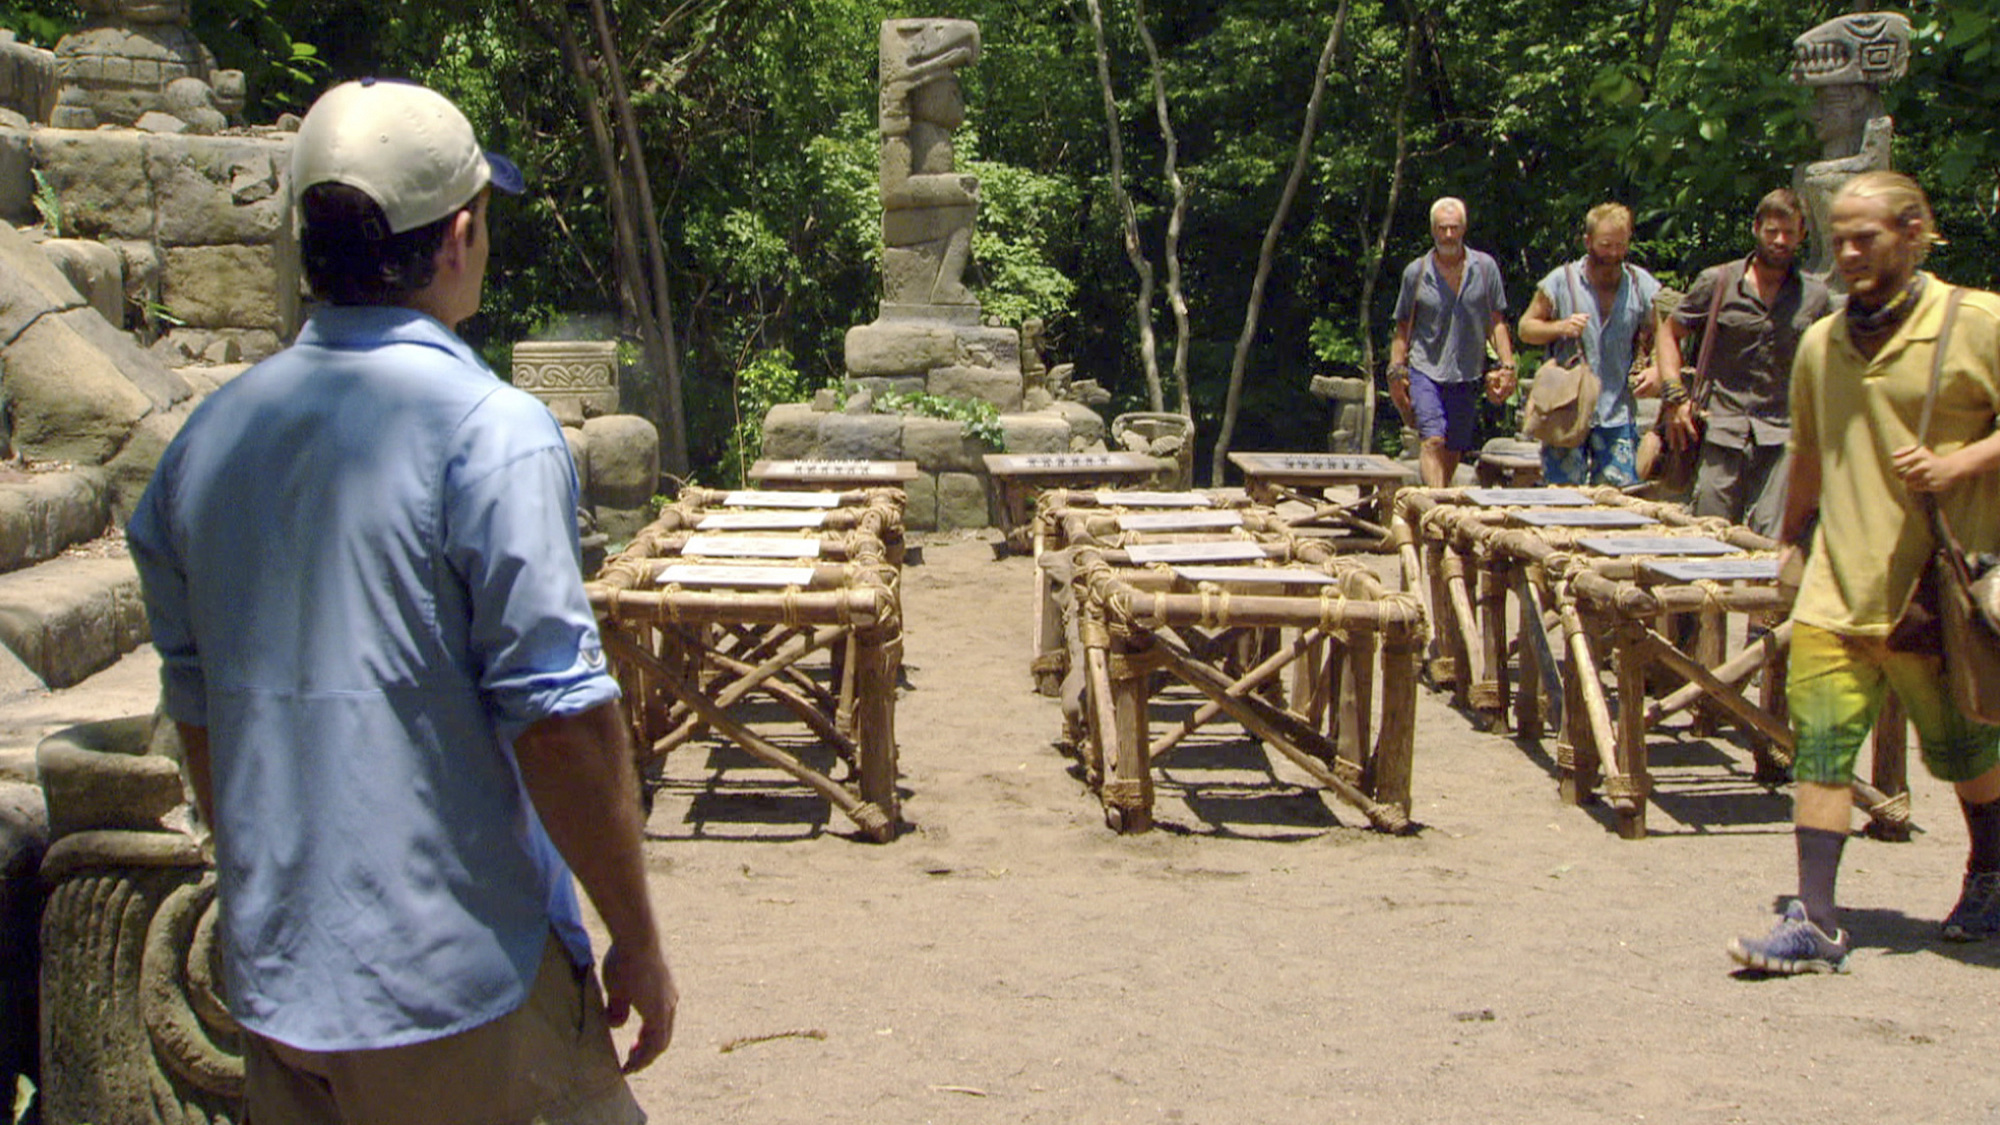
pixel 360 563
pixel 1448 330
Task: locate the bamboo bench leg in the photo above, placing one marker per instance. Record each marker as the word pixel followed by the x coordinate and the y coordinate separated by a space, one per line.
pixel 1635 783
pixel 1128 787
pixel 1490 696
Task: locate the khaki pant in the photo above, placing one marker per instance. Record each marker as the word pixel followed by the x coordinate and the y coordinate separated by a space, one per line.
pixel 548 1062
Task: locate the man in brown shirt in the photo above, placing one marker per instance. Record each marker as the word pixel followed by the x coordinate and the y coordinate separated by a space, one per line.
pixel 1767 304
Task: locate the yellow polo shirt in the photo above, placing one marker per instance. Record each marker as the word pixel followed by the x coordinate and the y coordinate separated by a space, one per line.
pixel 1850 413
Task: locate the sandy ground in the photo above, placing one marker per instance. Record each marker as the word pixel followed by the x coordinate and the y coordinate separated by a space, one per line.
pixel 1262 956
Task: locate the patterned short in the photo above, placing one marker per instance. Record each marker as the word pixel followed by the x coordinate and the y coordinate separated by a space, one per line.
pixel 1610 455
pixel 1835 689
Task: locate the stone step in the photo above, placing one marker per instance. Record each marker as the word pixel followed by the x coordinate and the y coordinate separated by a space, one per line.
pixel 71 616
pixel 29 712
pixel 44 514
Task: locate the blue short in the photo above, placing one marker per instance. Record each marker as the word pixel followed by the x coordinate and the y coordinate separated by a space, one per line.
pixel 1446 410
pixel 1609 456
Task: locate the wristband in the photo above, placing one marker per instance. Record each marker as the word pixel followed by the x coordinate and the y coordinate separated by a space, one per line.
pixel 1673 393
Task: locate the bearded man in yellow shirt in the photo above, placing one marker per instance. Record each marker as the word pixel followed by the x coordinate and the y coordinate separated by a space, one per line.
pixel 1858 463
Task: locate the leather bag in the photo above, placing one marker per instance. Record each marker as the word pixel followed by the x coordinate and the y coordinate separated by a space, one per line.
pixel 1563 400
pixel 1961 596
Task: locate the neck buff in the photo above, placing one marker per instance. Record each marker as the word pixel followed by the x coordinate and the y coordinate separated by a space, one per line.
pixel 1875 321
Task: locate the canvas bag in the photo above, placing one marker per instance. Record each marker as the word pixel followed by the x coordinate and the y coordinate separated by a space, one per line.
pixel 1563 400
pixel 1674 469
pixel 1964 602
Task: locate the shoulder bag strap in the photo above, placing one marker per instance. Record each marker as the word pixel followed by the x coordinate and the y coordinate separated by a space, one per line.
pixel 1576 303
pixel 1732 276
pixel 1940 526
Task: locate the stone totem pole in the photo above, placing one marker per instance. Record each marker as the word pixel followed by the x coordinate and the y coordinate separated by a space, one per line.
pixel 927 335
pixel 1846 62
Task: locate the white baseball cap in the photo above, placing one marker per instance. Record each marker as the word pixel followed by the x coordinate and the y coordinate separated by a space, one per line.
pixel 407 147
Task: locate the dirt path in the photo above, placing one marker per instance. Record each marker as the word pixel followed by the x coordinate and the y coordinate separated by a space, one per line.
pixel 1260 958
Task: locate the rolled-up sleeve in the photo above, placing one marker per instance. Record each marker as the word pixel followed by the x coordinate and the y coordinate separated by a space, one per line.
pixel 183 686
pixel 510 512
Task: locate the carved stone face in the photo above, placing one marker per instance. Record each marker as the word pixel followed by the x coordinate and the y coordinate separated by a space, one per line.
pixel 1871 48
pixel 1841 111
pixel 910 48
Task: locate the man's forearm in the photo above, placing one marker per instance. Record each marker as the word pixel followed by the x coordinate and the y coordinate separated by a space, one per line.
pixel 579 774
pixel 1801 499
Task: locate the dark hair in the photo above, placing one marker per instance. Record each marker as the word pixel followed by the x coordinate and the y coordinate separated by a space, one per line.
pixel 1779 203
pixel 350 256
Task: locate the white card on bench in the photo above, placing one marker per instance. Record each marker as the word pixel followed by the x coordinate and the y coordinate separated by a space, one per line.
pixel 1229 550
pixel 692 574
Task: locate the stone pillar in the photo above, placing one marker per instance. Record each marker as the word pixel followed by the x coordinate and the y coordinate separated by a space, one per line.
pixel 134 1029
pixel 578 379
pixel 1846 62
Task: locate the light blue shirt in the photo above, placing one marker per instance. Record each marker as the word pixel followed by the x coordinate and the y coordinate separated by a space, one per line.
pixel 1448 330
pixel 1608 341
pixel 360 564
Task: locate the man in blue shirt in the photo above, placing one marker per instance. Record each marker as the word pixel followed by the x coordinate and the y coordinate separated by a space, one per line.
pixel 1604 305
pixel 361 568
pixel 1451 302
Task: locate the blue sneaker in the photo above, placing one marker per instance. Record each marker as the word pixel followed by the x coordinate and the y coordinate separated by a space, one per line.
pixel 1794 945
pixel 1977 915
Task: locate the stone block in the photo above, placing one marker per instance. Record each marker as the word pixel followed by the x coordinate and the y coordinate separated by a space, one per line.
pixel 1085 425
pixel 907 348
pixel 28 78
pixel 791 431
pixel 921 512
pixel 100 178
pixel 997 348
pixel 70 617
pixel 223 286
pixel 578 379
pixel 624 462
pixel 961 502
pixel 909 227
pixel 68 400
pixel 875 385
pixel 95 270
pixel 1002 389
pixel 619 525
pixel 1036 433
pixel 17 178
pixel 215 346
pixel 30 285
pixel 219 190
pixel 938 446
pixel 865 437
pixel 130 469
pixel 153 379
pixel 47 512
pixel 579 455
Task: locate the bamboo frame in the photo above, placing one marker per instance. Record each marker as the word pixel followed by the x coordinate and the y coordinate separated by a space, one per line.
pixel 686 657
pixel 1611 614
pixel 1125 626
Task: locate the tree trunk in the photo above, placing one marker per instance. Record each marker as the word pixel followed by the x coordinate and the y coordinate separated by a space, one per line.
pixel 661 310
pixel 1176 300
pixel 1374 254
pixel 1235 396
pixel 1134 251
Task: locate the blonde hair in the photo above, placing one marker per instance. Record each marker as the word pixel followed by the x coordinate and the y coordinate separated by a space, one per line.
pixel 1604 213
pixel 1903 197
pixel 1452 203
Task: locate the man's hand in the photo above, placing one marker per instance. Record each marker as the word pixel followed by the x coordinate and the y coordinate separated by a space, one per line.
pixel 1572 327
pixel 1682 433
pixel 1500 382
pixel 1399 393
pixel 641 981
pixel 1925 471
pixel 1646 382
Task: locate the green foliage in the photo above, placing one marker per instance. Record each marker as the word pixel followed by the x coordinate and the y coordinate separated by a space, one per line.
pixel 768 379
pixel 1017 244
pixel 39 22
pixel 980 418
pixel 1333 345
pixel 48 204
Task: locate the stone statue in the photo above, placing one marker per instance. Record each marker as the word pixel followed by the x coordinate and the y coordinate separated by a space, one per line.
pixel 137 57
pixel 134 1025
pixel 927 206
pixel 1846 62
